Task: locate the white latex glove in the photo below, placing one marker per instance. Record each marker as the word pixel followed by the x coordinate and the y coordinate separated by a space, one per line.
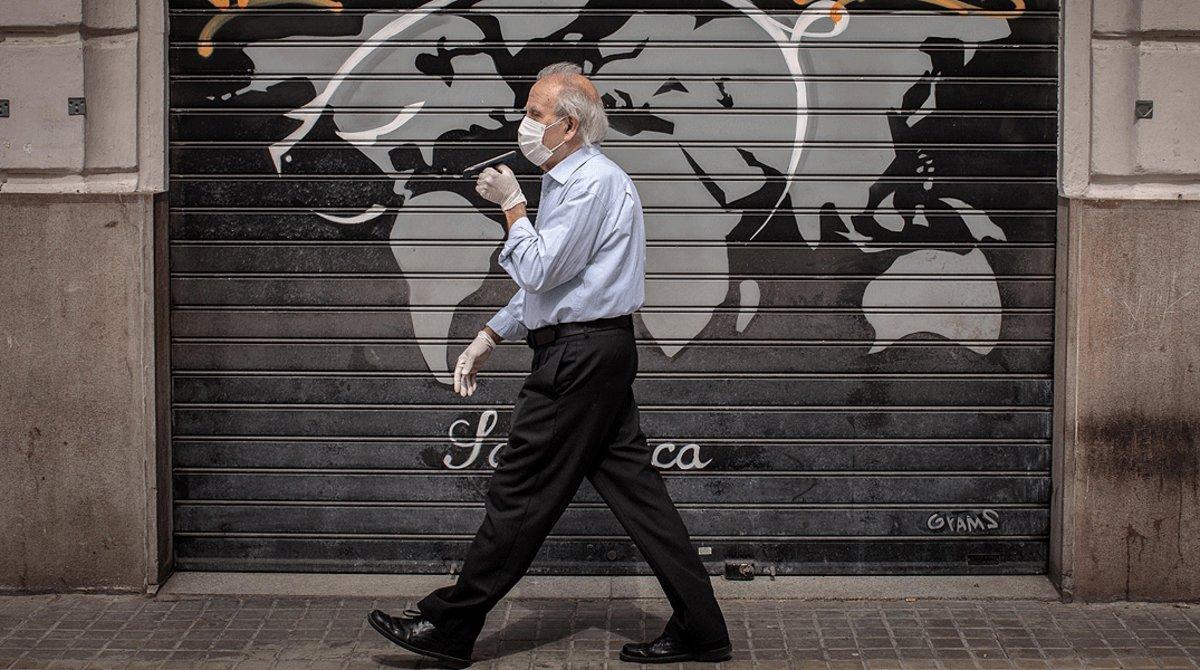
pixel 500 186
pixel 470 361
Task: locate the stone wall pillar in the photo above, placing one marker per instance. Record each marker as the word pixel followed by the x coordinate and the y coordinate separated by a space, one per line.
pixel 80 472
pixel 1127 485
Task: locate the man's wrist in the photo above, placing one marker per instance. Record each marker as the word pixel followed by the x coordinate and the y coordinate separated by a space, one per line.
pixel 492 334
pixel 515 198
pixel 512 214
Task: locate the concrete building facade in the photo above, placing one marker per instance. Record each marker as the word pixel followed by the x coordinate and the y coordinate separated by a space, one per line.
pixel 85 486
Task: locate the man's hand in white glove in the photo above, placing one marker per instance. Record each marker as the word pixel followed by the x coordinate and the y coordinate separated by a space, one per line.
pixel 470 361
pixel 500 186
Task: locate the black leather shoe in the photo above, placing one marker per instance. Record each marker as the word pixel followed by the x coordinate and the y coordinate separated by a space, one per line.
pixel 417 634
pixel 669 649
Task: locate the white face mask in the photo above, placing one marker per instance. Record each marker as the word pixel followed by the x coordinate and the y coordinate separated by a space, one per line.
pixel 529 137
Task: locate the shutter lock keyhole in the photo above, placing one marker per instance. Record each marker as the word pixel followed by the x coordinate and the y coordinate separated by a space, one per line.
pixel 741 571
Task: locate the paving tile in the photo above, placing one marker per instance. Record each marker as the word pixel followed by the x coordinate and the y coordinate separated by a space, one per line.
pixel 255 632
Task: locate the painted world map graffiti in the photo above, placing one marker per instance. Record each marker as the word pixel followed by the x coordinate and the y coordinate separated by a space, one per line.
pixel 845 358
pixel 411 87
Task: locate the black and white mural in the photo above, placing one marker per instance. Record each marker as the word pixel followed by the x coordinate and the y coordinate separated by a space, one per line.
pixel 847 336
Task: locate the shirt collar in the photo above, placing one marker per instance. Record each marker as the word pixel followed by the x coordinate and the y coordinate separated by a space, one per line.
pixel 571 163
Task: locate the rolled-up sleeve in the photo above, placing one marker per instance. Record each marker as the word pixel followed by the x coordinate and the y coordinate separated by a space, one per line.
pixel 507 322
pixel 561 245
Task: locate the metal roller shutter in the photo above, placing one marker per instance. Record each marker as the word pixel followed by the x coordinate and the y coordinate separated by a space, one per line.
pixel 846 348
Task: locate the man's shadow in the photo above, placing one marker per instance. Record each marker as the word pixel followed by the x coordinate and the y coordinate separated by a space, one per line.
pixel 523 635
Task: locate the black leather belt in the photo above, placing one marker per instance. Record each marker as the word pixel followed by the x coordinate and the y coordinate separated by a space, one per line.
pixel 547 334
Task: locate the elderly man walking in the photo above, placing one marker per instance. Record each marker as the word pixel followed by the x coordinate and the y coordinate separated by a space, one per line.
pixel 580 273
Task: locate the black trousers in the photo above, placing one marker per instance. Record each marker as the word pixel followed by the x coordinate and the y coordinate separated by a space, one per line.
pixel 576 417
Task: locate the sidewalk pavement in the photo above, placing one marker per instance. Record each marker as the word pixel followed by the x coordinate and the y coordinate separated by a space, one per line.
pixel 118 631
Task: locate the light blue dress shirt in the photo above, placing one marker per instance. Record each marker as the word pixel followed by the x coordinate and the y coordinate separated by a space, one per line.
pixel 586 257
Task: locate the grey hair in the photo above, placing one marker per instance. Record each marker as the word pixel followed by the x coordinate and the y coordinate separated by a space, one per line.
pixel 575 101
